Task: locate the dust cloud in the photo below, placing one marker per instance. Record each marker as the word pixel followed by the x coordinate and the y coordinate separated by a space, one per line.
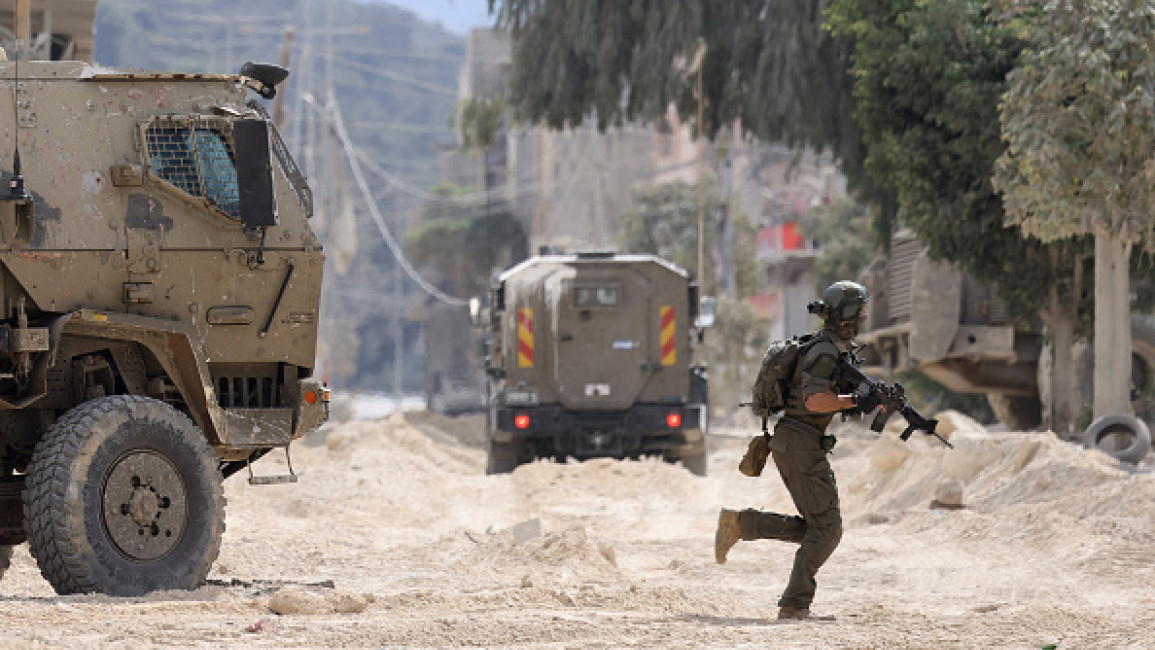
pixel 395 537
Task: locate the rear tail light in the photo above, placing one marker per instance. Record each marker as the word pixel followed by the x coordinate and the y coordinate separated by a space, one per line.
pixel 674 420
pixel 312 396
pixel 521 421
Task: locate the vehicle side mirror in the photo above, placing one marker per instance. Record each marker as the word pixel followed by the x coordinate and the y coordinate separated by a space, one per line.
pixel 706 312
pixel 258 205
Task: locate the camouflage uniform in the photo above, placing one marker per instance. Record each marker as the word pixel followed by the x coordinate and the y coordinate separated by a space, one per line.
pixel 801 460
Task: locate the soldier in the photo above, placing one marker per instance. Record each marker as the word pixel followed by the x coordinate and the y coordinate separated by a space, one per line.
pixel 799 448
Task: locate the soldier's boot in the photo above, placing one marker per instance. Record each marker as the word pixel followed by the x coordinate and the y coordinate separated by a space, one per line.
pixel 728 533
pixel 793 613
pixel 787 613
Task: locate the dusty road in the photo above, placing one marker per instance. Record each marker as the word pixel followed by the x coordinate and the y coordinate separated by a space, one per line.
pixel 394 537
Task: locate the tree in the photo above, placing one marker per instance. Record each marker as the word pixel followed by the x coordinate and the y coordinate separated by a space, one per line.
pixel 767 64
pixel 847 242
pixel 1078 121
pixel 663 221
pixel 928 81
pixel 463 239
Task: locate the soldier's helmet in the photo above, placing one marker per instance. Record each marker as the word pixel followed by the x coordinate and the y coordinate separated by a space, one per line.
pixel 843 300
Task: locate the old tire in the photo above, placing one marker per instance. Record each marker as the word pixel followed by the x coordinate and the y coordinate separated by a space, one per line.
pixel 1126 425
pixel 504 457
pixel 123 496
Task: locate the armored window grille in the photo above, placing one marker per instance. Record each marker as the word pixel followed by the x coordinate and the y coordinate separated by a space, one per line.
pixel 196 158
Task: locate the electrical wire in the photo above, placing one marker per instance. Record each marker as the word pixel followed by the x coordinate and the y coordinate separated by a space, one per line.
pixel 390 241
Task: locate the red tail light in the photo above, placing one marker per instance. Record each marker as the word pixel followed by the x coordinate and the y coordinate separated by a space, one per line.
pixel 521 421
pixel 674 420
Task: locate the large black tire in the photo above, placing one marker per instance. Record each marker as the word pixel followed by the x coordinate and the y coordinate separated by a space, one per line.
pixel 123 496
pixel 504 457
pixel 1127 426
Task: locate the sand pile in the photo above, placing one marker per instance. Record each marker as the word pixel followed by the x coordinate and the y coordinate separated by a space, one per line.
pixel 993 471
pixel 525 547
pixel 1028 495
pixel 395 537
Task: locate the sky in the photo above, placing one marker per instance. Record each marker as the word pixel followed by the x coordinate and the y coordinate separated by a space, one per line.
pixel 455 15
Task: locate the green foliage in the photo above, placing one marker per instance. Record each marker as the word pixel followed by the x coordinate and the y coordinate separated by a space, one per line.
pixel 1079 121
pixel 846 231
pixel 663 220
pixel 464 239
pixel 930 77
pixel 766 63
pixel 479 121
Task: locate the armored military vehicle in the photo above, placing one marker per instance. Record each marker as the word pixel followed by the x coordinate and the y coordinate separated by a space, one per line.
pixel 928 315
pixel 159 288
pixel 592 355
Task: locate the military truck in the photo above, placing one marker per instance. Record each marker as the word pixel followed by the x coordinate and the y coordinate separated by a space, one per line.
pixel 928 315
pixel 593 355
pixel 159 288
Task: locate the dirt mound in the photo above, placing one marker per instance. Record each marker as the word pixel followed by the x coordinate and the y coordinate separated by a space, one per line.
pixel 394 440
pixel 394 536
pixel 468 430
pixel 993 471
pixel 570 550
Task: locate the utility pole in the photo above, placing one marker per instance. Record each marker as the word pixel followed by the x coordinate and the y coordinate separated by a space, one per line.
pixel 398 304
pixel 279 100
pixel 729 279
pixel 701 176
pixel 300 137
pixel 23 26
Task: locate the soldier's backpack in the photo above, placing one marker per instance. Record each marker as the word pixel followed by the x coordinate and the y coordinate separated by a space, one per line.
pixel 771 385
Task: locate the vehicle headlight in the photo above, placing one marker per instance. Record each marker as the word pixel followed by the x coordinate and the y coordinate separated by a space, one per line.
pixel 520 397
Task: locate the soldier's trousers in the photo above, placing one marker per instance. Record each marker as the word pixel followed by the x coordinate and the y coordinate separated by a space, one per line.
pixel 808 477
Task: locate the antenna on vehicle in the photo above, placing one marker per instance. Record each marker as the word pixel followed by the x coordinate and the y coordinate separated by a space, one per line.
pixel 16 191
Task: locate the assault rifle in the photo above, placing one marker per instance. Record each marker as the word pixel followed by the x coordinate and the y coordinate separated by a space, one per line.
pixel 892 397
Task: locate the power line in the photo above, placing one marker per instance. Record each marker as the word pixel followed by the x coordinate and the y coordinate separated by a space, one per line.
pixel 390 240
pixel 392 76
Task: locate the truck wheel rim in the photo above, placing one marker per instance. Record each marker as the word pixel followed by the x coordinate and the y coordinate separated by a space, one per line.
pixel 145 506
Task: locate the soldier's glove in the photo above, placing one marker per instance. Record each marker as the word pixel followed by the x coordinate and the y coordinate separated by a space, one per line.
pixel 755 459
pixel 865 399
